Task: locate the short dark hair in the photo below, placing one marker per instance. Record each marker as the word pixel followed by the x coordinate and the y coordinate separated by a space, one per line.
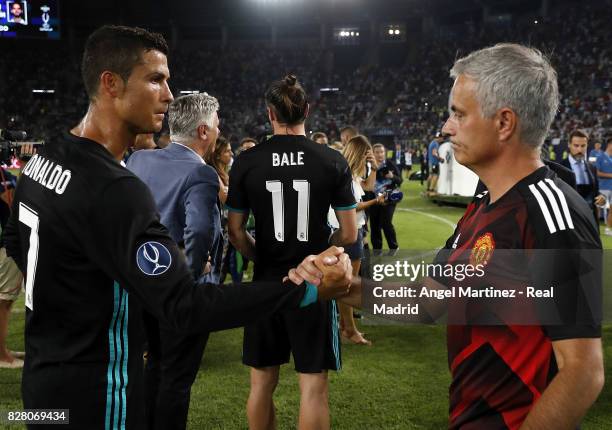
pixel 288 100
pixel 579 132
pixel 350 129
pixel 318 135
pixel 248 139
pixel 117 49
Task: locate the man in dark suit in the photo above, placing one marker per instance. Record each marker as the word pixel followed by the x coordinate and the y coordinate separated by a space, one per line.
pixel 399 158
pixel 388 177
pixel 185 191
pixel 587 183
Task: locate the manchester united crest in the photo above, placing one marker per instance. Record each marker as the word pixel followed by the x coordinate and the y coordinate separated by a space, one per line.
pixel 483 250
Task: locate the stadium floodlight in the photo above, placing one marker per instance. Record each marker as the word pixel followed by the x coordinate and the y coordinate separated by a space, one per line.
pixel 535 22
pixel 393 32
pixel 189 92
pixel 346 35
pixel 44 91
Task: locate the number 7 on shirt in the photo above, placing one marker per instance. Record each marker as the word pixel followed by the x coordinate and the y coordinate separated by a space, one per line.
pixel 30 218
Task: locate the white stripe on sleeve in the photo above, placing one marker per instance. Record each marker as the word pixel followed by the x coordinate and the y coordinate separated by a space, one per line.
pixel 545 211
pixel 553 204
pixel 563 201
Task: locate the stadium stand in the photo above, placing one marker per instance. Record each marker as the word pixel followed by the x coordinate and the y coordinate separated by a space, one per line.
pixel 407 101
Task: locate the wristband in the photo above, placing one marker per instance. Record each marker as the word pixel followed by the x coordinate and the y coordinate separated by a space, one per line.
pixel 310 296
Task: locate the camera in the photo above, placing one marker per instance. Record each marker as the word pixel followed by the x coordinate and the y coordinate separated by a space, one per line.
pixel 394 195
pixel 10 142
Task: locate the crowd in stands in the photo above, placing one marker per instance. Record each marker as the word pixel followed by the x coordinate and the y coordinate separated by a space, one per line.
pixel 409 101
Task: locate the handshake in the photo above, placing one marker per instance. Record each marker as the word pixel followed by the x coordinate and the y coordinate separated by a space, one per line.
pixel 331 272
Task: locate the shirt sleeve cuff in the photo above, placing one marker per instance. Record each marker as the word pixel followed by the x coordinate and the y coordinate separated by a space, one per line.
pixel 345 208
pixel 310 296
pixel 231 209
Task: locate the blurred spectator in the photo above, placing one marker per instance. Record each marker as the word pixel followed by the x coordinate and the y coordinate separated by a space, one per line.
pixel 347 133
pixel 320 138
pixel 595 152
pixel 604 172
pixel 381 217
pixel 587 183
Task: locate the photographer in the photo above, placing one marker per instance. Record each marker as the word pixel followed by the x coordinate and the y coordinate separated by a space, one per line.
pixel 388 178
pixel 10 276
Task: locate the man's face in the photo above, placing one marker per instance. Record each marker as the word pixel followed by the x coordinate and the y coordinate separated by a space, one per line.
pixel 379 154
pixel 578 147
pixel 322 140
pixel 474 138
pixel 16 9
pixel 145 97
pixel 598 145
pixel 345 137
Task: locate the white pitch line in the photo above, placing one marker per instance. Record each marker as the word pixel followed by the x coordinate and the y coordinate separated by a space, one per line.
pixel 436 217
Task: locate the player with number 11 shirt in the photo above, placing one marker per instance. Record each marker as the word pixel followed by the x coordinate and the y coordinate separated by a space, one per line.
pixel 289 183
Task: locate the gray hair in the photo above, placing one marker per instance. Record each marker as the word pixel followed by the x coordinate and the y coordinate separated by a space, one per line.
pixel 517 77
pixel 188 112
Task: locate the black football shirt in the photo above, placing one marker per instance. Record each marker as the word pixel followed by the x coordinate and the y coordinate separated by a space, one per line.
pixel 499 371
pixel 289 182
pixel 86 233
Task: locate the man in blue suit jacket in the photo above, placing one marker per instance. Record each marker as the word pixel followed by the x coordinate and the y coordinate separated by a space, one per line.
pixel 185 191
pixel 587 183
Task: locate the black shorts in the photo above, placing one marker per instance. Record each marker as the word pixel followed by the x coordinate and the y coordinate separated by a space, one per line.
pixel 310 333
pixel 435 170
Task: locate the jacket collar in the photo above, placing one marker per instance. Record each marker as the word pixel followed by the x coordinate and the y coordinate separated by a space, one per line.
pixel 184 151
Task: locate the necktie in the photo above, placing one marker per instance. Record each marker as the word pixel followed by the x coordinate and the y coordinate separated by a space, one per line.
pixel 583 177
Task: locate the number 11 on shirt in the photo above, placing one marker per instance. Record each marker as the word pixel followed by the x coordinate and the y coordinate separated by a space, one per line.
pixel 278 207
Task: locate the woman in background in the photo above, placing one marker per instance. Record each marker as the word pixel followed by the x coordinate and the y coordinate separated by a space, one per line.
pixel 220 159
pixel 358 152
